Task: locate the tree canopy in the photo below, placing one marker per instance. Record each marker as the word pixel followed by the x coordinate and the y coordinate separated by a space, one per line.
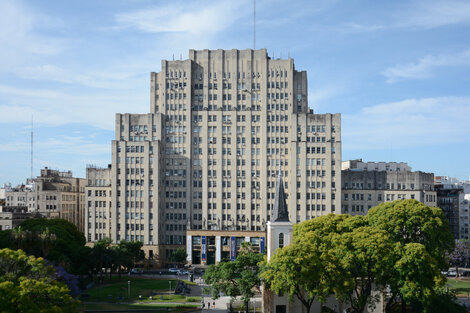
pixel 27 284
pixel 399 246
pixel 178 256
pixel 57 240
pixel 236 278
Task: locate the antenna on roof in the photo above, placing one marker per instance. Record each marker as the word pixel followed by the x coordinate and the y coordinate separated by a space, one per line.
pixel 254 24
pixel 32 138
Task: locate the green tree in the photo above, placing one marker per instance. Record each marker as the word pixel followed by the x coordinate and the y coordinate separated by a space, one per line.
pixel 178 256
pixel 422 241
pixel 102 255
pixel 27 285
pixel 18 235
pixel 307 268
pixel 299 270
pixel 363 256
pixel 56 239
pixel 410 221
pixel 236 278
pixel 131 253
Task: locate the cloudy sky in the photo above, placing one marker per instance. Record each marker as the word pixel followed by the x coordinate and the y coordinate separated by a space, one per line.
pixel 398 71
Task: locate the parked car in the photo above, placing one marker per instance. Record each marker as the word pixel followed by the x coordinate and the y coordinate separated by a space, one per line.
pixel 137 271
pixel 451 273
pixel 182 272
pixel 173 270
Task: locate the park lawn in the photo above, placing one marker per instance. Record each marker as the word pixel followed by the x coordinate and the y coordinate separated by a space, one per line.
pixel 459 286
pixel 139 286
pixel 126 306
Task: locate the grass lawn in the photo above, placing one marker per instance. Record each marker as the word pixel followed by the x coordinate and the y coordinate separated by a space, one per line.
pixel 156 307
pixel 459 286
pixel 138 286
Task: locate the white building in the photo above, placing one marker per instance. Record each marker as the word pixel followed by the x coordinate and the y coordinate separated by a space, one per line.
pixel 221 125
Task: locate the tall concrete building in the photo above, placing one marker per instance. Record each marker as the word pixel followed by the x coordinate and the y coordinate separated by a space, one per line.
pixel 222 124
pixel 365 185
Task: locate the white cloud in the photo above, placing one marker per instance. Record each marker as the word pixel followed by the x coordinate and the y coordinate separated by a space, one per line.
pixel 318 98
pixel 432 14
pixel 424 67
pixel 14 146
pixel 108 80
pixel 60 108
pixel 354 27
pixel 196 18
pixel 77 146
pixel 420 14
pixel 19 37
pixel 408 123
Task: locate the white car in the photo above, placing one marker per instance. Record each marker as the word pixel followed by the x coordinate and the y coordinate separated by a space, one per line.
pixel 173 270
pixel 183 272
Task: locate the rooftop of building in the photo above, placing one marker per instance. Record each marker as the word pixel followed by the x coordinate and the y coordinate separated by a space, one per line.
pixel 359 165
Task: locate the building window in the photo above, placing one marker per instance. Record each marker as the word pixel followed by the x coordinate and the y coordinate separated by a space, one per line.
pixel 281 240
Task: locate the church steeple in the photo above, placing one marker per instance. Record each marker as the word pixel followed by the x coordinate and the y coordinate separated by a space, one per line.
pixel 280 212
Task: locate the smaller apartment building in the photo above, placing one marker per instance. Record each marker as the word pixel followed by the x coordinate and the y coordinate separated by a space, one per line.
pixel 206 247
pixel 53 194
pixel 10 217
pixel 366 185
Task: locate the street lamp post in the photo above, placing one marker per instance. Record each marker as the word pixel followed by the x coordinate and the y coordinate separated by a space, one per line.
pixel 170 285
pixel 129 289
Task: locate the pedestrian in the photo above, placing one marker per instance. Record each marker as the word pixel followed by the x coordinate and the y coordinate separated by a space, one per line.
pixel 160 274
pixel 213 304
pixel 209 304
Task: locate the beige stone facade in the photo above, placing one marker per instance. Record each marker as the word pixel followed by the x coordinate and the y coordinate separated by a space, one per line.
pixel 53 194
pixel 60 195
pixel 98 203
pixel 363 187
pixel 222 125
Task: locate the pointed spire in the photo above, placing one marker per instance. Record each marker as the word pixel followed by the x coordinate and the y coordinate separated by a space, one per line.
pixel 280 212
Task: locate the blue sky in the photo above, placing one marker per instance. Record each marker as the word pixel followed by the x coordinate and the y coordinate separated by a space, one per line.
pixel 398 71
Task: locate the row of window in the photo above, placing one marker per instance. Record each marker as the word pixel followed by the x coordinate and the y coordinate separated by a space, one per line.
pixel 175 227
pixel 176 216
pixel 175 205
pixel 98 193
pixel 389 186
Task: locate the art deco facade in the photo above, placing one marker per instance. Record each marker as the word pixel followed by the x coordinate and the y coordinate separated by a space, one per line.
pixel 222 124
pixel 98 203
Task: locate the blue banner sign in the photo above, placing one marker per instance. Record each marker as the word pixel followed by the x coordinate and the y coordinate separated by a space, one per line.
pixel 232 249
pixel 203 248
pixel 262 245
